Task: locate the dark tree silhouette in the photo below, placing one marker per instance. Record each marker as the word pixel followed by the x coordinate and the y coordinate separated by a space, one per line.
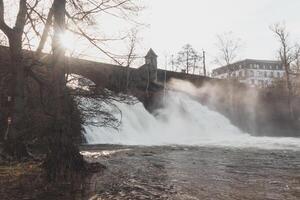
pixel 47 24
pixel 15 113
pixel 228 47
pixel 187 59
pixel 289 55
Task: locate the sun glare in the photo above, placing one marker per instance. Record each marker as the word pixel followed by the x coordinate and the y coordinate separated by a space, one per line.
pixel 68 41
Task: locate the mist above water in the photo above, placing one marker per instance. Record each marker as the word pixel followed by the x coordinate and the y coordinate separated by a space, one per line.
pixel 182 121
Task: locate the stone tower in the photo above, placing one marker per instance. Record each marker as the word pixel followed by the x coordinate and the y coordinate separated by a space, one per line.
pixel 151 63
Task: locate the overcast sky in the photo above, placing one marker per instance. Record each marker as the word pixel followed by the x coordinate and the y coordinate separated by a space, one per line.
pixel 173 23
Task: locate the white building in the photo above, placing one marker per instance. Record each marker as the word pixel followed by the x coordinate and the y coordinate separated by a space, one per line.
pixel 259 73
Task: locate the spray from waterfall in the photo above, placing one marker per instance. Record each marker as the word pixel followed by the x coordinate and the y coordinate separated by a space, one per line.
pixel 181 121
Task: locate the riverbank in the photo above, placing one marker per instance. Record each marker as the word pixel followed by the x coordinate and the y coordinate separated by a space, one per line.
pixel 28 181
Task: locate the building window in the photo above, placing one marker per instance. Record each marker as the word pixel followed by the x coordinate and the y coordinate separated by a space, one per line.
pixel 271 74
pixel 252 81
pixel 265 74
pixel 278 74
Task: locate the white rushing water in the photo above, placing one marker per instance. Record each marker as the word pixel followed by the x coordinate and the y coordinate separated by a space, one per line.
pixel 182 121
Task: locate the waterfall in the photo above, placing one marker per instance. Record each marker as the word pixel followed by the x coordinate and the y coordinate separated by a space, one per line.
pixel 181 121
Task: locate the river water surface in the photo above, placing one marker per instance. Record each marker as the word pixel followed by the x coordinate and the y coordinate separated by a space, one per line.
pixel 185 172
pixel 187 151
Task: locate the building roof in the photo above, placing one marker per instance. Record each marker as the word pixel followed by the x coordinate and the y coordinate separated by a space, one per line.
pixel 246 62
pixel 263 61
pixel 151 53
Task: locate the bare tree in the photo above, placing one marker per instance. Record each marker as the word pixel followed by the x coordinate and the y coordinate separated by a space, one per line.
pixel 63 156
pixel 295 65
pixel 81 16
pixel 35 26
pixel 99 107
pixel 17 80
pixel 131 57
pixel 288 54
pixel 228 47
pixel 188 58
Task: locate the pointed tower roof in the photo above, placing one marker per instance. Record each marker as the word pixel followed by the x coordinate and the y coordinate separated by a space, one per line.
pixel 151 53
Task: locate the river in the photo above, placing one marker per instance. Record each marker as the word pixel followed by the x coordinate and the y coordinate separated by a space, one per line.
pixel 186 151
pixel 186 172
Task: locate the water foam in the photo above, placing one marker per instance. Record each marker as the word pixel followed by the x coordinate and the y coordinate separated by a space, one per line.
pixel 182 121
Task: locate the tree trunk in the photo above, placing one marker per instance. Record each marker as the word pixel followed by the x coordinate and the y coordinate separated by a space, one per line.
pixel 290 93
pixel 187 62
pixel 127 77
pixel 63 156
pixel 16 83
pixel 14 145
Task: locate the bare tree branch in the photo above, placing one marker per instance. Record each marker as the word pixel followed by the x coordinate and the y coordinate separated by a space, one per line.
pixel 84 34
pixel 45 32
pixel 21 17
pixel 228 47
pixel 287 56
